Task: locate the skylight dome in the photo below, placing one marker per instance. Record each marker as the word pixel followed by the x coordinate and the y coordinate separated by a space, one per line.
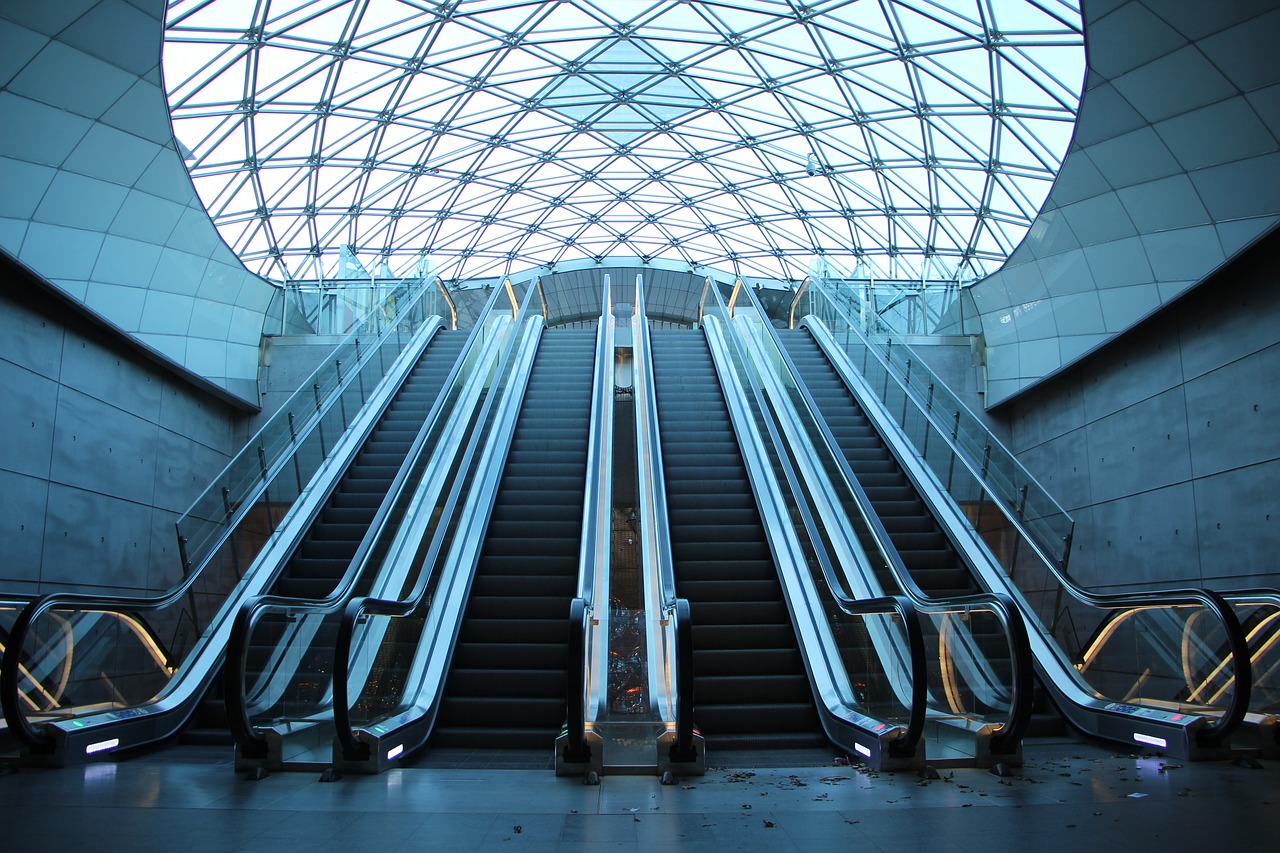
pixel 903 138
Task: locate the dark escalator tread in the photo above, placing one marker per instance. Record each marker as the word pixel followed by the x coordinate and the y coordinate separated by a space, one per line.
pixel 327 548
pixel 507 680
pixel 750 685
pixel 924 548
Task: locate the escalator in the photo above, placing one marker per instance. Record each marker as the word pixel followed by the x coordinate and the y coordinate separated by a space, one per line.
pixel 750 686
pixel 931 560
pixel 926 551
pixel 1175 675
pixel 324 553
pixel 507 681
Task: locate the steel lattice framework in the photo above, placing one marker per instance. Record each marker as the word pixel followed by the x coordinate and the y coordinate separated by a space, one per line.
pixel 914 139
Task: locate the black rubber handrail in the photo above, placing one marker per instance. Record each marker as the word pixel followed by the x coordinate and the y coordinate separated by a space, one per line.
pixel 358 608
pixel 38 741
pixel 683 749
pixel 576 750
pixel 1213 733
pixel 252 744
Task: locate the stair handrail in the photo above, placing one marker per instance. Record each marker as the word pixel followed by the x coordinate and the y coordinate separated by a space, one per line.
pixel 358 608
pixel 252 743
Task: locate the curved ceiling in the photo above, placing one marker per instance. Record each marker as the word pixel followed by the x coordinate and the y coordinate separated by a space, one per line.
pixel 492 135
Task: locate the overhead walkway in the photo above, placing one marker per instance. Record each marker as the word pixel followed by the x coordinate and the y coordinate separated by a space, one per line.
pixel 88 675
pixel 1176 670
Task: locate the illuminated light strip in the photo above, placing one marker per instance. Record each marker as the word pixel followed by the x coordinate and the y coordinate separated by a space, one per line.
pixel 864 751
pixel 395 751
pixel 1152 740
pixel 101 746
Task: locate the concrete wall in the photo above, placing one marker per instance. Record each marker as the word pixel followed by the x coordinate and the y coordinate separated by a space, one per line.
pixel 96 197
pixel 1165 446
pixel 101 449
pixel 1174 167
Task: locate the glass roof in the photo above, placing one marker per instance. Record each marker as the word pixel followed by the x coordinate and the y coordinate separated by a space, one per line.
pixel 897 138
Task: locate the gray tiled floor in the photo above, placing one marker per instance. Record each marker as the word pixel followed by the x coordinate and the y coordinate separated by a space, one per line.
pixel 1067 796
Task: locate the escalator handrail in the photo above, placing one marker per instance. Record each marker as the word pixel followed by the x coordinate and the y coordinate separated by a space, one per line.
pixel 652 485
pixel 597 528
pixel 906 744
pixel 250 611
pixel 642 350
pixel 356 608
pixel 1243 597
pixel 576 750
pixel 1018 717
pixel 11 660
pixel 1214 732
